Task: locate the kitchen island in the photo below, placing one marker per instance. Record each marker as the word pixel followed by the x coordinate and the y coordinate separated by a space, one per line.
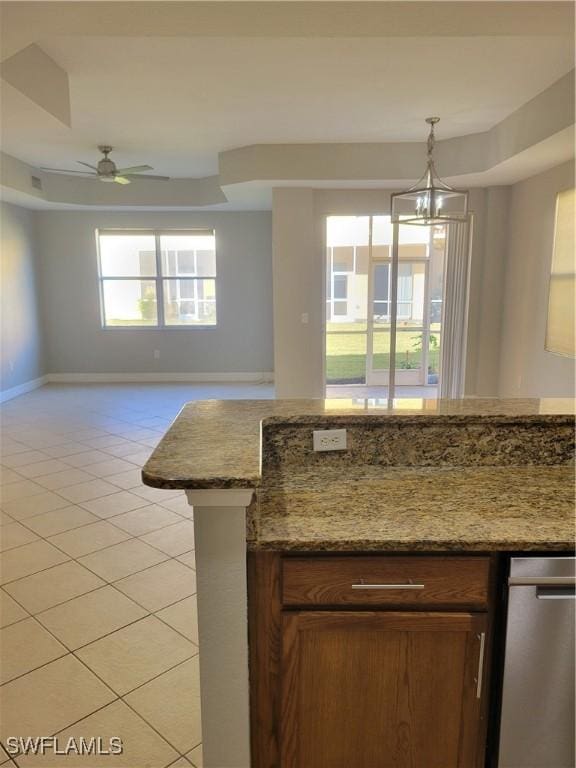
pixel 430 477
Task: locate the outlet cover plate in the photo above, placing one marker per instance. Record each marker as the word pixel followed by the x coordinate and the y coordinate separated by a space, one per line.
pixel 329 439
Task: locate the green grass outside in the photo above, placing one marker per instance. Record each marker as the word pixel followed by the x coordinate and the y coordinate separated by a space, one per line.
pixel 346 351
pixel 132 322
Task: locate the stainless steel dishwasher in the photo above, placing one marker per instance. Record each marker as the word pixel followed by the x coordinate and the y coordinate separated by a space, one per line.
pixel 537 721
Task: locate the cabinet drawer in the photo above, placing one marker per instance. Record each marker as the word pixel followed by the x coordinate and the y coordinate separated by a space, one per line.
pixel 387 581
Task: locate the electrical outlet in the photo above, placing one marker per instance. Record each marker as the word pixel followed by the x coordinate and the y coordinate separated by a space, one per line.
pixel 329 439
pixel 156 354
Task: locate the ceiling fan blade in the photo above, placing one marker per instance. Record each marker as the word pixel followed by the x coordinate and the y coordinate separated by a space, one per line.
pixel 88 165
pixel 121 180
pixel 134 169
pixel 62 170
pixel 146 176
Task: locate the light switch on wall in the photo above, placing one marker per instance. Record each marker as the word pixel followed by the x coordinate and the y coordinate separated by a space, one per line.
pixel 304 318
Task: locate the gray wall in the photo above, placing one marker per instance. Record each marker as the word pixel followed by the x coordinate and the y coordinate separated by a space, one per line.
pixel 487 268
pixel 21 346
pixel 299 259
pixel 526 369
pixel 242 340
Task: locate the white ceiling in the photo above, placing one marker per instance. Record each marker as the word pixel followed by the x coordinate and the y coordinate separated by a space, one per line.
pixel 233 99
pixel 175 103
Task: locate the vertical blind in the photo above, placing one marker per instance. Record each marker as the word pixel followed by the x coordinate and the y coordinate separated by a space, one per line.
pixel 455 319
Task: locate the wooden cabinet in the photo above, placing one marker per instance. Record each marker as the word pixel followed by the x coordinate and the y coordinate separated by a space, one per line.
pixel 388 684
pixel 379 690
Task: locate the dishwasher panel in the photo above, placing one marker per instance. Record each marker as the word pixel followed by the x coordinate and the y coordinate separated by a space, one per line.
pixel 537 723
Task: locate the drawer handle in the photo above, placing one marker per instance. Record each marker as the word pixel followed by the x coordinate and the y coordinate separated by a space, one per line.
pixel 408 585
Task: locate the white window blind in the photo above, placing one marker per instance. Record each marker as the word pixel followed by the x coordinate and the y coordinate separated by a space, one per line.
pixel 455 319
pixel 560 330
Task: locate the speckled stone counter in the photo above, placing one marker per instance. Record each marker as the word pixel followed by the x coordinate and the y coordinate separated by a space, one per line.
pixel 217 443
pixel 471 475
pixel 417 509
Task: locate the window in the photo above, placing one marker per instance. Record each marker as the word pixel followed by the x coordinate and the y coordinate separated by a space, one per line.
pixel 162 279
pixel 381 307
pixel 560 329
pixel 340 276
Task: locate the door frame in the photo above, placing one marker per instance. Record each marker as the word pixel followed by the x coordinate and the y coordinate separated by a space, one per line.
pixel 402 377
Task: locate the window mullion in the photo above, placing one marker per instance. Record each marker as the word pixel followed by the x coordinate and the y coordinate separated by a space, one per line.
pixel 128 303
pixel 159 282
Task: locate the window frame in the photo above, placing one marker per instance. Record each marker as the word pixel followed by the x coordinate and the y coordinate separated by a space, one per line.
pixel 158 279
pixel 349 275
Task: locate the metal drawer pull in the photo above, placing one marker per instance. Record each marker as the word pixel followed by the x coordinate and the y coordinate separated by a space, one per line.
pixel 408 585
pixel 482 638
pixel 556 593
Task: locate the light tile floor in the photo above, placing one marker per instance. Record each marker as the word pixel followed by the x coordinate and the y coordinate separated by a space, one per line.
pixel 98 628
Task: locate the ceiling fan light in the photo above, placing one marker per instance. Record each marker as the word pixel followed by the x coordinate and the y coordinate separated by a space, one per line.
pixel 106 170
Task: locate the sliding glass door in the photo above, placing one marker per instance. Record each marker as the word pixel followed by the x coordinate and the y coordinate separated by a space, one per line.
pixel 412 320
pixel 358 329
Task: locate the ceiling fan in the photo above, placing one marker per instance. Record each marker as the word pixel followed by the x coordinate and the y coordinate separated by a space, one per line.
pixel 106 170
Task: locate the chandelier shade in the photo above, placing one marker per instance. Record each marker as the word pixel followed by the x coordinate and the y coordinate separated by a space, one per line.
pixel 430 201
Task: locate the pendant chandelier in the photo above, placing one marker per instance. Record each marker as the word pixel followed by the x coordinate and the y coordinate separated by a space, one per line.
pixel 430 201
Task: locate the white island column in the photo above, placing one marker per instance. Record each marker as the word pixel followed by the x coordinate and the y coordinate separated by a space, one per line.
pixel 220 546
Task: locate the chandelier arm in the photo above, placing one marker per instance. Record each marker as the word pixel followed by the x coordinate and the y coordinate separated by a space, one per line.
pixel 437 181
pixel 422 183
pixel 427 198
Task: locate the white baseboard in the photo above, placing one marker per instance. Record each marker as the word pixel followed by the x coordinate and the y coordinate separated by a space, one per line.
pixel 21 389
pixel 192 378
pixel 255 377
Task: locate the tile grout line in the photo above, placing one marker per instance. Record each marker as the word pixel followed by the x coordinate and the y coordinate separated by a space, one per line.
pixel 48 540
pixel 118 697
pixel 96 589
pixel 98 709
pixel 169 558
pixel 130 536
pixel 79 504
pixel 34 669
pixel 72 652
pixel 88 450
pixel 106 583
pixel 147 615
pixel 127 703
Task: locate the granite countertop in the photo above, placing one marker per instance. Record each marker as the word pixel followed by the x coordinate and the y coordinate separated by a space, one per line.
pixel 468 475
pixel 216 443
pixel 417 509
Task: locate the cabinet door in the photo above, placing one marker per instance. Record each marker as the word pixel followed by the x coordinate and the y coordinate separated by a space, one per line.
pixel 381 690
